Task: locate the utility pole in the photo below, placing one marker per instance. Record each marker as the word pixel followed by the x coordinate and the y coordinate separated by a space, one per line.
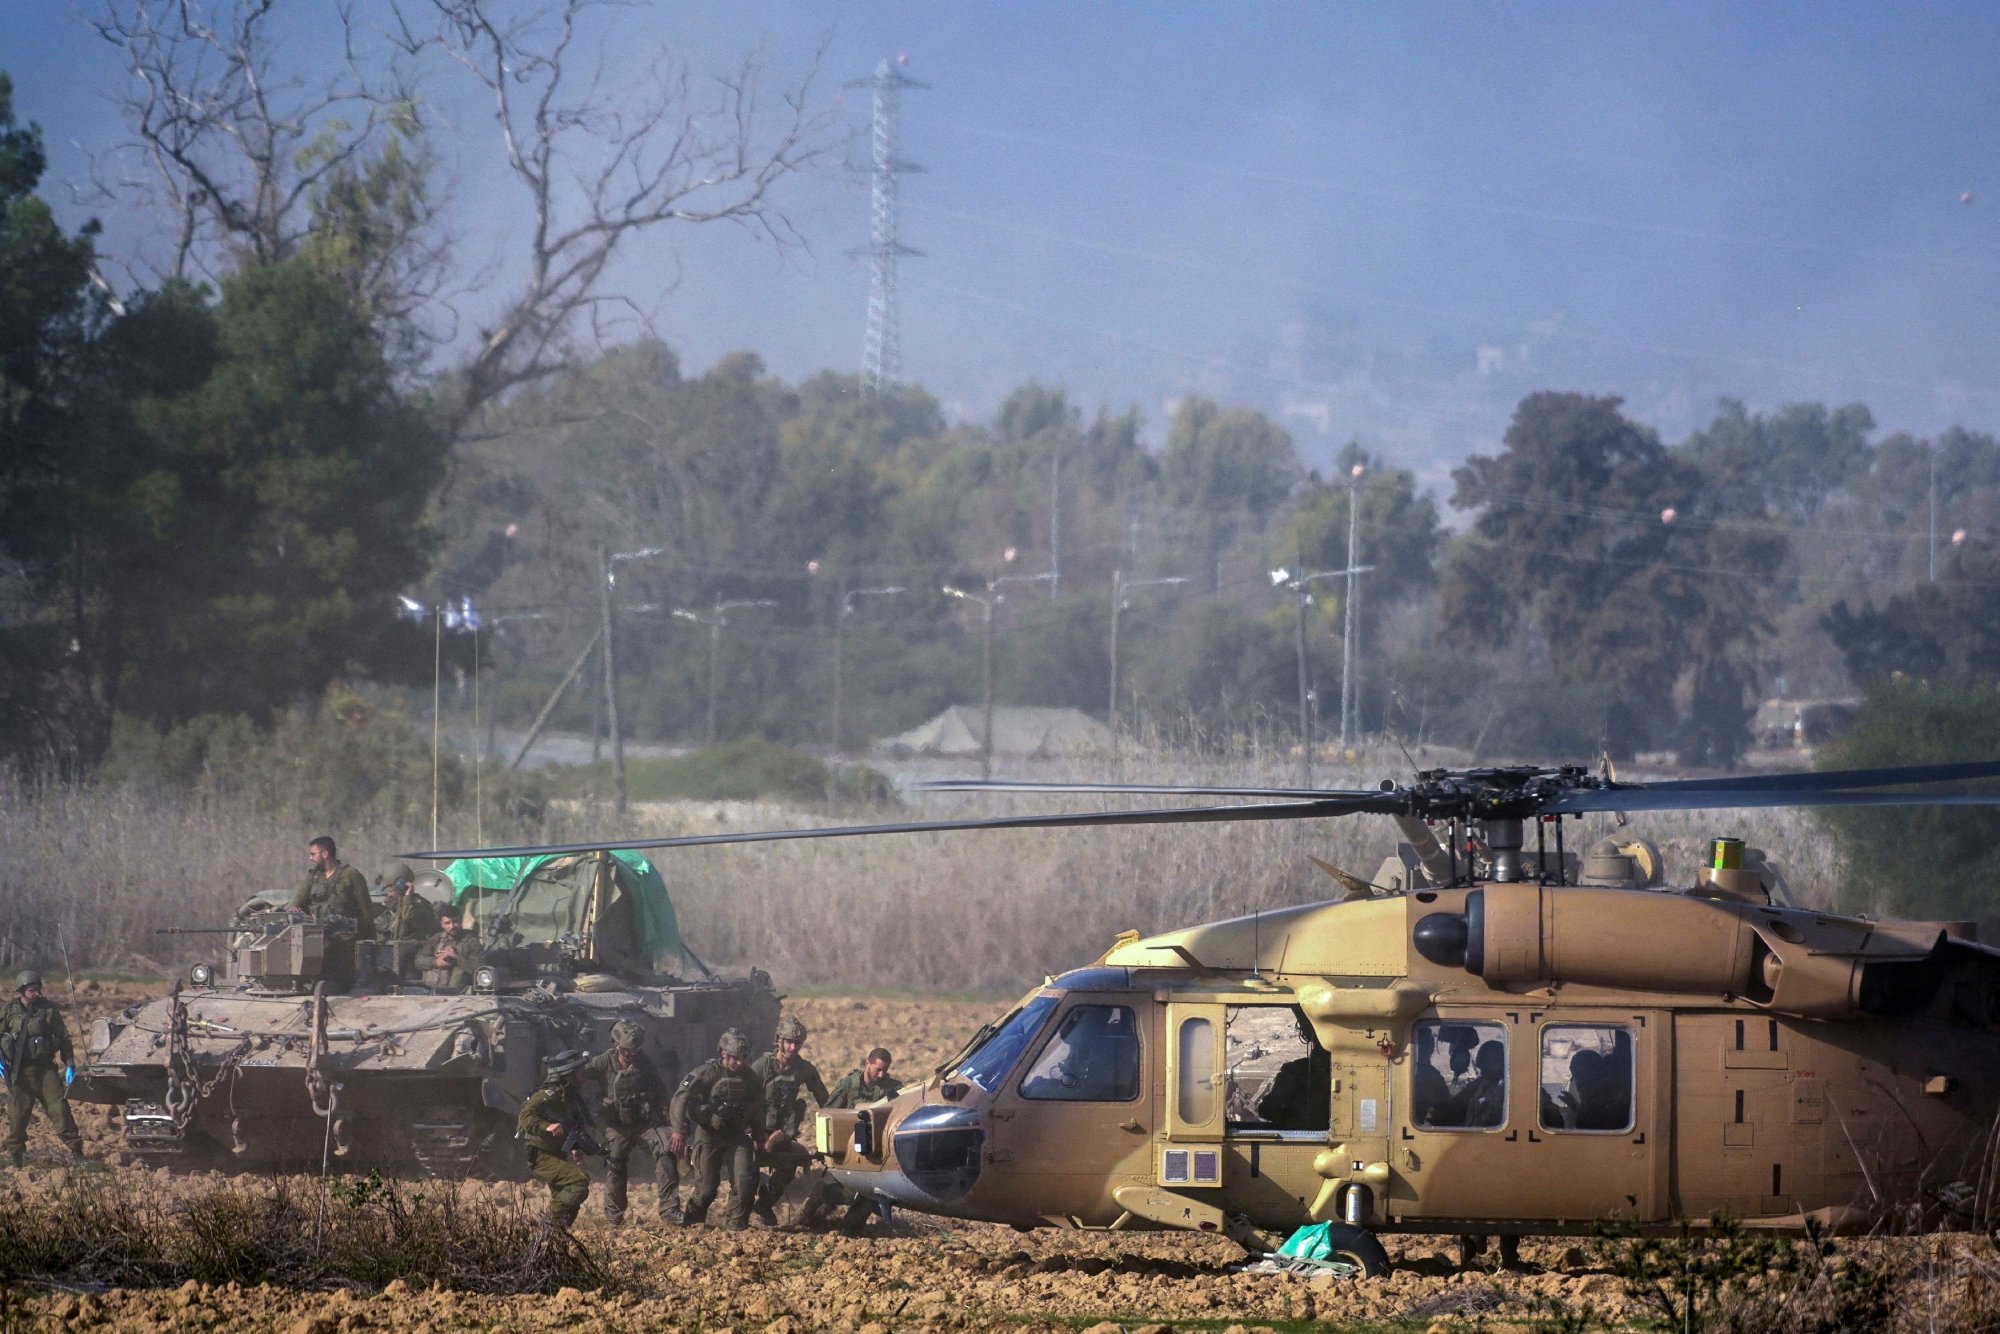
pixel 840 616
pixel 1932 451
pixel 618 798
pixel 1119 588
pixel 1350 700
pixel 715 621
pixel 985 672
pixel 1055 521
pixel 1284 578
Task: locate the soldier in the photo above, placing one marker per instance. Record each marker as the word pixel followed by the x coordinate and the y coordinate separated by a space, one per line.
pixel 1301 1096
pixel 857 1088
pixel 335 889
pixel 787 1077
pixel 452 957
pixel 32 1036
pixel 551 1120
pixel 719 1107
pixel 409 915
pixel 634 1110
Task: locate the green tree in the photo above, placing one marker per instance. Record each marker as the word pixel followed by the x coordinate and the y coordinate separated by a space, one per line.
pixel 247 501
pixel 1399 532
pixel 1225 466
pixel 1946 632
pixel 1569 547
pixel 1926 862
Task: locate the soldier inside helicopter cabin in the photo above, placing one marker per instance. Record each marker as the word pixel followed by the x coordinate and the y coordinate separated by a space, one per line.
pixel 634 1112
pixel 553 1121
pixel 33 1038
pixel 719 1109
pixel 788 1077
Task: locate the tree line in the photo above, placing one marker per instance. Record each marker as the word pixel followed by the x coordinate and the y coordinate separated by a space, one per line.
pixel 216 492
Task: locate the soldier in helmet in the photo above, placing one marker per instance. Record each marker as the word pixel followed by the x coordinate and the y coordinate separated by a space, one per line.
pixel 719 1109
pixel 33 1038
pixel 335 889
pixel 408 916
pixel 787 1077
pixel 550 1119
pixel 634 1111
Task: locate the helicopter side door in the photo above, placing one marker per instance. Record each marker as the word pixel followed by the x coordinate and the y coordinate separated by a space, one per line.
pixel 1077 1120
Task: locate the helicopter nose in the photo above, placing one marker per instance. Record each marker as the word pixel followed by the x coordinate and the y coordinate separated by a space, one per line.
pixel 934 1157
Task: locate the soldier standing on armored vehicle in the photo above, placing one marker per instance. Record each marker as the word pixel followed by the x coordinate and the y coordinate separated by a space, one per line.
pixel 335 889
pixel 556 1126
pixel 719 1107
pixel 857 1088
pixel 409 915
pixel 635 1108
pixel 452 957
pixel 32 1036
pixel 788 1077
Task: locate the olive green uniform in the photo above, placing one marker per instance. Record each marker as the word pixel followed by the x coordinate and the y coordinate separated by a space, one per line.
pixel 785 1109
pixel 635 1107
pixel 343 894
pixel 853 1090
pixel 726 1123
pixel 457 975
pixel 409 917
pixel 547 1163
pixel 32 1037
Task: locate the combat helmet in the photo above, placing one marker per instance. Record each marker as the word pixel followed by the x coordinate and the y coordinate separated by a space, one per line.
pixel 627 1033
pixel 791 1029
pixel 733 1043
pixel 28 978
pixel 398 873
pixel 564 1064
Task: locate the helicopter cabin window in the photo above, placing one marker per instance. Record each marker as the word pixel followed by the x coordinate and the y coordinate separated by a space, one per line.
pixel 1280 1078
pixel 992 1058
pixel 1587 1077
pixel 1458 1075
pixel 1195 1091
pixel 1093 1057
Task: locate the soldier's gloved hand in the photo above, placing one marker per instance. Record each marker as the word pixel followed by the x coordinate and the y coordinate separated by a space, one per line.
pixel 677 1144
pixel 69 1074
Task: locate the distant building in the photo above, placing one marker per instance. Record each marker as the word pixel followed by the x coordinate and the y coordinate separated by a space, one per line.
pixel 1801 724
pixel 959 732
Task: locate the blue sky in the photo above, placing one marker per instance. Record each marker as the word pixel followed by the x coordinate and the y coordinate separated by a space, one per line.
pixel 1385 223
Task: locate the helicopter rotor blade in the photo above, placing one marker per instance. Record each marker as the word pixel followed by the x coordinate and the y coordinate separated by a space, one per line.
pixel 1146 789
pixel 1648 799
pixel 1280 810
pixel 1828 780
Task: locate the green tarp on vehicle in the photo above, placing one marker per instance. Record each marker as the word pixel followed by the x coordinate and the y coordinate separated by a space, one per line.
pixel 549 897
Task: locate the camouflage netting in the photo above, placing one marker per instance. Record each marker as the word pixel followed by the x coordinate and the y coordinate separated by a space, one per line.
pixel 549 897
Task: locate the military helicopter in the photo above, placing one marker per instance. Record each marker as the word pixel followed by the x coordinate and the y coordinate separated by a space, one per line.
pixel 1488 1038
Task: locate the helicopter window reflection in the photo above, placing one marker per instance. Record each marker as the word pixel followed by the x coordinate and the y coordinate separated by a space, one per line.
pixel 1458 1075
pixel 992 1059
pixel 1280 1078
pixel 1093 1057
pixel 1587 1077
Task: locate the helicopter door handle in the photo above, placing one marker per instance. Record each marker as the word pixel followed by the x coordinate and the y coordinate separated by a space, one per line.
pixel 1132 1126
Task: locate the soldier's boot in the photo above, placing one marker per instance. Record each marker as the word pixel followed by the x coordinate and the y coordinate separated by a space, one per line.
pixel 670 1210
pixel 615 1217
pixel 1510 1252
pixel 858 1214
pixel 763 1208
pixel 695 1214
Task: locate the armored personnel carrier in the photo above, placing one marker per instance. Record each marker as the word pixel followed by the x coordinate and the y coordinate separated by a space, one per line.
pixel 308 1047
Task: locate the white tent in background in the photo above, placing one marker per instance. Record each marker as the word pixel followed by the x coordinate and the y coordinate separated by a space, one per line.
pixel 1035 733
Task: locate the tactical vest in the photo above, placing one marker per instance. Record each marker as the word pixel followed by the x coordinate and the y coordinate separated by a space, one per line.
pixel 630 1094
pixel 38 1035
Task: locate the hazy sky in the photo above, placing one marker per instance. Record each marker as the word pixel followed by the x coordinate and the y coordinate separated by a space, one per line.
pixel 1376 222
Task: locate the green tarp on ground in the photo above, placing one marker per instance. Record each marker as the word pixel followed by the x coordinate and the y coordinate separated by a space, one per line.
pixel 639 899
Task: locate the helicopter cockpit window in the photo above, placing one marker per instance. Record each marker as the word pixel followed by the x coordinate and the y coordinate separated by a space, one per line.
pixel 991 1061
pixel 1587 1077
pixel 1458 1075
pixel 1093 1057
pixel 1280 1078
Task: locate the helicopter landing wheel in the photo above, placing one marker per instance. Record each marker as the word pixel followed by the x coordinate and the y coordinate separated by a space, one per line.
pixel 1358 1247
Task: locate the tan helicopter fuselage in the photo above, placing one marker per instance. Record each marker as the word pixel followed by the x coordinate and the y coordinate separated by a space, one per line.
pixel 1506 1058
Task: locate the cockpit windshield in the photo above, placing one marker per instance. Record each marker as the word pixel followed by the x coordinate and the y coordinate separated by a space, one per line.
pixel 989 1062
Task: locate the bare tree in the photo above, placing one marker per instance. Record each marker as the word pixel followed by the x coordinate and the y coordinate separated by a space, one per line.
pixel 256 162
